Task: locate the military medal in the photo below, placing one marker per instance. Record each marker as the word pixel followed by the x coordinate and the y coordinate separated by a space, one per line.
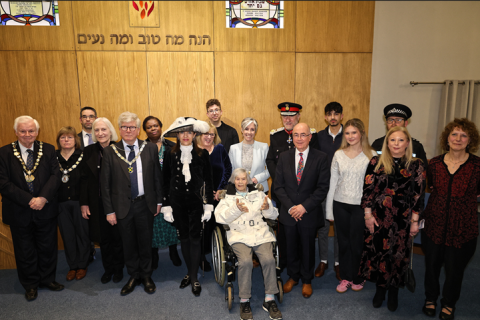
pixel 29 177
pixel 65 176
pixel 130 163
pixel 289 139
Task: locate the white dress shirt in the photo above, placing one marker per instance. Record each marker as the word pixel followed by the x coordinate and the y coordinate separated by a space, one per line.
pixel 85 138
pixel 304 156
pixel 141 191
pixel 334 135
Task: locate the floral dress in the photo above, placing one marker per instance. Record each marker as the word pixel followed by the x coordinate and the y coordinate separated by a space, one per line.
pixel 164 234
pixel 392 198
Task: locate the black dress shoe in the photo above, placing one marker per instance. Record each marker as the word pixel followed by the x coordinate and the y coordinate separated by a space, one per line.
pixel 149 285
pixel 129 287
pixel 185 282
pixel 53 286
pixel 107 276
pixel 379 297
pixel 196 288
pixel 429 311
pixel 118 276
pixel 392 303
pixel 31 294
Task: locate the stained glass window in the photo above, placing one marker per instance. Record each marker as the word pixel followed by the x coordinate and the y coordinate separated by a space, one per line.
pixel 29 13
pixel 254 14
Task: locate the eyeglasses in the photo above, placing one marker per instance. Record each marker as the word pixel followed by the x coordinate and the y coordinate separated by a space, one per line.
pixel 66 138
pixel 212 135
pixel 214 111
pixel 397 120
pixel 89 117
pixel 302 135
pixel 125 128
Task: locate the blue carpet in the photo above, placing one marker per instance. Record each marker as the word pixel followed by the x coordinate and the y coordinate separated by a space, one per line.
pixel 90 299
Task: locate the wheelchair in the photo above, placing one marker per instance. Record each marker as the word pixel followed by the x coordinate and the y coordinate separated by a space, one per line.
pixel 224 261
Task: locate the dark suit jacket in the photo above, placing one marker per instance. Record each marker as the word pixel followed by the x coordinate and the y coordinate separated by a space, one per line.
pixel 311 191
pixel 82 144
pixel 14 188
pixel 115 186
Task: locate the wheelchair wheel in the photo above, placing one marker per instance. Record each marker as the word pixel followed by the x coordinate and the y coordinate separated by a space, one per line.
pixel 218 256
pixel 229 295
pixel 280 290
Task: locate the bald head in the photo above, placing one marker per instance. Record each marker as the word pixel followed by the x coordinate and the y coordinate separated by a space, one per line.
pixel 301 136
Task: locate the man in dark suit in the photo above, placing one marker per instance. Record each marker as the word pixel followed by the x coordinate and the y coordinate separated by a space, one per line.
pixel 301 184
pixel 281 141
pixel 87 116
pixel 132 195
pixel 29 180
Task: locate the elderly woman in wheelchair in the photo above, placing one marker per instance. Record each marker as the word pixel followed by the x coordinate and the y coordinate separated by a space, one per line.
pixel 243 209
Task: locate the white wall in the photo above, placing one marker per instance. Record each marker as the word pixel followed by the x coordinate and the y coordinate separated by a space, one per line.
pixel 425 42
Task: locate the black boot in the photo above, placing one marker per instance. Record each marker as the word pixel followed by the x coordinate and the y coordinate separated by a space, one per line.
pixel 155 258
pixel 392 302
pixel 173 253
pixel 379 297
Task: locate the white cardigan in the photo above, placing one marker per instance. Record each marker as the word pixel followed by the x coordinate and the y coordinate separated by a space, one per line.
pixel 259 169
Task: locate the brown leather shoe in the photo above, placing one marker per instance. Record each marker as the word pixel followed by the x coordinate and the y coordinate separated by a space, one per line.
pixel 307 290
pixel 288 286
pixel 81 273
pixel 337 272
pixel 71 275
pixel 320 271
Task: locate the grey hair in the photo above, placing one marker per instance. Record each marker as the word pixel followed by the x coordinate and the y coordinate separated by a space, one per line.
pixel 24 119
pixel 236 172
pixel 113 133
pixel 128 117
pixel 247 121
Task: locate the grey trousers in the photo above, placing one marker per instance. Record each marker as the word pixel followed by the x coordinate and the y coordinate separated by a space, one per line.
pixel 245 265
pixel 323 239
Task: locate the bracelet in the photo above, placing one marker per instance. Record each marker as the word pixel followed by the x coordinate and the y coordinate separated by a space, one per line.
pixel 413 221
pixel 368 218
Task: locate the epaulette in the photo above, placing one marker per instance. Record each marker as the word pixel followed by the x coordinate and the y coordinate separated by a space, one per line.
pixel 276 130
pixel 416 140
pixel 312 130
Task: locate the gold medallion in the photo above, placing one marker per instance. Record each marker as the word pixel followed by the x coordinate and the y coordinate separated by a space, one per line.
pixel 29 178
pixel 65 178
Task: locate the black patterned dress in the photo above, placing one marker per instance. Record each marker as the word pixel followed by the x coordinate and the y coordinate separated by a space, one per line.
pixel 164 233
pixel 386 252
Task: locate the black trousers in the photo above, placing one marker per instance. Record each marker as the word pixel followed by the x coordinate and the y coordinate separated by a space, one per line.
pixel 35 247
pixel 111 245
pixel 455 260
pixel 187 215
pixel 74 231
pixel 350 225
pixel 136 230
pixel 300 252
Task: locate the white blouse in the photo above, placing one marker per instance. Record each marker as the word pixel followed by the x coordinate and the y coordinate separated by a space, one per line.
pixel 346 180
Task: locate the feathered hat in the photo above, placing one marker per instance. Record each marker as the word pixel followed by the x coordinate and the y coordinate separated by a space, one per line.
pixel 186 124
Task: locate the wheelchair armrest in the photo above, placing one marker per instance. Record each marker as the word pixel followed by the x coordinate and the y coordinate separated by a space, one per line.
pixel 272 224
pixel 226 227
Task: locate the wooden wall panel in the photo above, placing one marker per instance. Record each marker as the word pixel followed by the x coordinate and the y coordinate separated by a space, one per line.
pixel 252 84
pixel 113 82
pixel 180 84
pixel 105 18
pixel 254 39
pixel 7 256
pixel 184 18
pixel 41 38
pixel 42 84
pixel 335 26
pixel 325 77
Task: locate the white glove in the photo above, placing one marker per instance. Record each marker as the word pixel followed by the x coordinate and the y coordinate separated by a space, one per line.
pixel 206 215
pixel 167 213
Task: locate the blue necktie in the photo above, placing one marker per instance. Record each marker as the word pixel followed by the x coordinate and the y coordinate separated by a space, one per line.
pixel 30 167
pixel 133 174
pixel 90 141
